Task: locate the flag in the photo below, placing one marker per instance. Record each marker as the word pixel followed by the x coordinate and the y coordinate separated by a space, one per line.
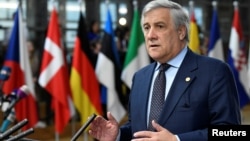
pixel 194 41
pixel 17 60
pixel 237 58
pixel 108 71
pixel 84 84
pixel 54 76
pixel 136 56
pixel 215 47
pixel 248 68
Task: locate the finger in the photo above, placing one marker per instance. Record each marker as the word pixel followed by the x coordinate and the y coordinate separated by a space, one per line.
pixel 157 126
pixel 95 125
pixel 96 122
pixel 143 134
pixel 111 117
pixel 91 132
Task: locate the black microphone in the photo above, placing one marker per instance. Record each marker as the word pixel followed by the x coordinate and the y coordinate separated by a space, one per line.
pixel 85 125
pixel 4 75
pixel 17 95
pixel 13 129
pixel 21 135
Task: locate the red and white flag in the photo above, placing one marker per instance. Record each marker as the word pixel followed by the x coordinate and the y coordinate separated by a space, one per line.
pixel 54 76
pixel 237 57
pixel 17 60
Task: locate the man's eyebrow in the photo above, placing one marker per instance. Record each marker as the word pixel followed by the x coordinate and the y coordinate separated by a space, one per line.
pixel 160 22
pixel 145 24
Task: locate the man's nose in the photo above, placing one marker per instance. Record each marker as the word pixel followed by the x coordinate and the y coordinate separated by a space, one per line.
pixel 151 34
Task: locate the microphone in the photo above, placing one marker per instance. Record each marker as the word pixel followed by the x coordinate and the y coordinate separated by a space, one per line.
pixel 21 135
pixel 9 119
pixel 13 129
pixel 6 99
pixel 86 124
pixel 4 75
pixel 18 95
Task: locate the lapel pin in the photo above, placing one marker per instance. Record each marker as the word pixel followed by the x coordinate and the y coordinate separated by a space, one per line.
pixel 187 79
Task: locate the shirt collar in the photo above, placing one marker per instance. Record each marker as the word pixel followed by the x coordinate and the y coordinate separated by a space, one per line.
pixel 177 60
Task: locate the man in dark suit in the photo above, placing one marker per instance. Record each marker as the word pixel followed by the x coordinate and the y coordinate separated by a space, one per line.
pixel 200 91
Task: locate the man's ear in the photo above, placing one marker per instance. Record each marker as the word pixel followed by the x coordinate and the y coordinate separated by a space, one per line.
pixel 182 32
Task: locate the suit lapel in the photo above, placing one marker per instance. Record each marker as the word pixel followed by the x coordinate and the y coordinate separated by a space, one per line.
pixel 143 93
pixel 184 77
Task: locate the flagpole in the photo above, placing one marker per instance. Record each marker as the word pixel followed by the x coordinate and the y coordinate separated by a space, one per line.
pixel 191 6
pixel 235 4
pixel 135 4
pixel 107 2
pixel 57 137
pixel 20 3
pixel 73 120
pixel 214 4
pixel 85 136
pixel 82 3
pixel 248 65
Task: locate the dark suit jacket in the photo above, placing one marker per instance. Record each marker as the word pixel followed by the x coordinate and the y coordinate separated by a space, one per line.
pixel 209 98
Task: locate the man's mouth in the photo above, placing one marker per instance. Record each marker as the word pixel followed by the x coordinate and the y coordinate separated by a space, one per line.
pixel 154 45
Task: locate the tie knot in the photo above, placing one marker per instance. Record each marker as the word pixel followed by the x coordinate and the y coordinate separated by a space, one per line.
pixel 164 67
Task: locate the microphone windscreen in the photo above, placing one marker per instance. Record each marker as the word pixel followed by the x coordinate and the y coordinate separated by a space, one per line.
pixel 22 92
pixel 5 73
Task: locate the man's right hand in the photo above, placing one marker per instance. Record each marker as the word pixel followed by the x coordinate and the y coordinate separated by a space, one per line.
pixel 104 130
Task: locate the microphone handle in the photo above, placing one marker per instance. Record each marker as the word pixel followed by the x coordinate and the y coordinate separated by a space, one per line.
pixel 13 129
pixel 1 86
pixel 8 120
pixel 5 125
pixel 12 104
pixel 86 124
pixel 21 135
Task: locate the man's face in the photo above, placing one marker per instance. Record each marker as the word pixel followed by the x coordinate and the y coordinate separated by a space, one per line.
pixel 162 38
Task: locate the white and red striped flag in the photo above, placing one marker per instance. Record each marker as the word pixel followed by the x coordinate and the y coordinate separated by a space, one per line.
pixel 237 57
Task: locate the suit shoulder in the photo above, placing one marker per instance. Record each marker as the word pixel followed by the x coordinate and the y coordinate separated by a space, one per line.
pixel 212 64
pixel 147 68
pixel 209 60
